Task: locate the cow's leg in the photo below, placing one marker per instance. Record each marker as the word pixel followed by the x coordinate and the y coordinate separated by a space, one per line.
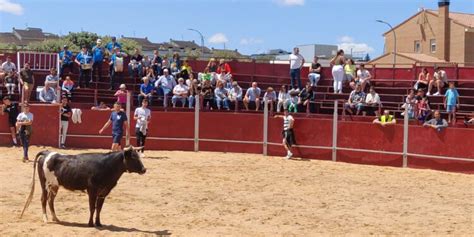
pixel 100 203
pixel 92 201
pixel 44 199
pixel 53 190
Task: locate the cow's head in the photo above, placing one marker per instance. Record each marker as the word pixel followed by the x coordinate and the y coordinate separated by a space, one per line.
pixel 132 160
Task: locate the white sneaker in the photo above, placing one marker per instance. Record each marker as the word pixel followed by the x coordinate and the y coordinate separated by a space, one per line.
pixel 428 93
pixel 288 156
pixel 437 93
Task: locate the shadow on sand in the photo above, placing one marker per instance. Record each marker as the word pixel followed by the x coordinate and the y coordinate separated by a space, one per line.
pixel 114 228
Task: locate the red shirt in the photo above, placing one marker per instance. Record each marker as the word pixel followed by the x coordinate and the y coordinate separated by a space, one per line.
pixel 226 67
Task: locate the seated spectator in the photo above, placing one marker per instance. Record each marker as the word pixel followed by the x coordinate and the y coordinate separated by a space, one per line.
pixel 146 91
pixel 363 77
pixel 48 95
pixel 356 100
pixel 150 73
pixel 180 92
pixel 176 59
pixel 156 62
pixel 350 71
pixel 52 80
pixel 121 95
pixel 270 97
pixel 207 94
pixel 306 95
pixel 440 80
pixel 372 102
pixel 212 65
pixel 410 104
pixel 252 95
pixel 314 72
pixel 423 79
pixel 135 67
pixel 235 94
pixel 186 70
pixel 194 91
pixel 451 102
pixel 102 106
pixel 7 67
pixel 207 76
pixel 10 82
pixel 221 95
pixel 225 79
pixel 190 80
pixel 174 70
pixel 146 63
pixel 294 99
pixel 437 122
pixel 67 87
pixel 65 61
pixel 469 121
pixel 164 86
pixel 385 119
pixel 283 99
pixel 224 68
pixel 165 64
pixel 424 109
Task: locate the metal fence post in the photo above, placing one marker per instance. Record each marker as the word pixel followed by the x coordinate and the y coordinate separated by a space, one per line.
pixel 405 139
pixel 334 132
pixel 196 122
pixel 265 128
pixel 127 134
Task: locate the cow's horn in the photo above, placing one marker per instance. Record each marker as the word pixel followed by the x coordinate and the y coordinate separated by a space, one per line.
pixel 128 148
pixel 137 148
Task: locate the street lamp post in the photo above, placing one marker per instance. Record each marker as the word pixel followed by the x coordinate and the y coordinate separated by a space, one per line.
pixel 202 40
pixel 394 44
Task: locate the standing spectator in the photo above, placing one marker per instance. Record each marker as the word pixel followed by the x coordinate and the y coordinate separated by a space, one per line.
pixel 221 95
pixel 27 79
pixel 52 80
pixel 385 119
pixel 98 54
pixel 12 110
pixel 451 102
pixel 112 45
pixel 252 96
pixel 180 92
pixel 305 95
pixel 67 87
pixel 437 122
pixel 165 85
pixel 142 116
pixel 176 59
pixel 65 61
pixel 119 121
pixel 270 97
pixel 440 80
pixel 423 79
pixel 356 100
pixel 47 95
pixel 24 122
pixel 212 65
pixel 338 71
pixel 146 91
pixel 350 72
pixel 372 102
pixel 410 104
pixel 156 62
pixel 207 94
pixel 363 76
pixel 186 70
pixel 135 67
pixel 288 133
pixel 314 72
pixel 10 82
pixel 66 113
pixel 194 91
pixel 296 63
pixel 121 95
pixel 84 61
pixel 235 94
pixel 116 65
pixel 223 68
pixel 283 99
pixel 7 67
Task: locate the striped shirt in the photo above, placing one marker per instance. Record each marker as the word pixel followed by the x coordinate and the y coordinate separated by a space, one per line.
pixel 287 121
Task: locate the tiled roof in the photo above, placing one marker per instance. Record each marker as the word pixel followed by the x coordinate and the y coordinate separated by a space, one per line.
pixel 421 57
pixel 144 42
pixel 465 19
pixel 9 38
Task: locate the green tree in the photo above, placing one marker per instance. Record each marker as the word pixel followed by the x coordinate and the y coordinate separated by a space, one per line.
pixel 52 45
pixel 83 38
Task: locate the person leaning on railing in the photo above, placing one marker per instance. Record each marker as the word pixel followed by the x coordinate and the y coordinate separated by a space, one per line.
pixel 385 119
pixel 437 122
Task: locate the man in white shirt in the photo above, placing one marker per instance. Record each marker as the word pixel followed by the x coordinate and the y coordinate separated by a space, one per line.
pixel 296 63
pixel 440 80
pixel 288 134
pixel 164 85
pixel 142 116
pixel 363 76
pixel 180 92
pixel 7 67
pixel 372 102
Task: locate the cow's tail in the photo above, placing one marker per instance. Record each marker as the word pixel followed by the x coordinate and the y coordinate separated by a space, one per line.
pixel 30 197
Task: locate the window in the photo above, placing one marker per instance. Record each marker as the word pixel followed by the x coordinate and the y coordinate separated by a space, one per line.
pixel 433 45
pixel 417 46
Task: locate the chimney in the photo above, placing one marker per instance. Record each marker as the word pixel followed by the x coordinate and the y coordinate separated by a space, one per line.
pixel 444 31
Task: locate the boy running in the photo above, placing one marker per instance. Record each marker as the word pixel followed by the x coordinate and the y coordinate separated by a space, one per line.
pixel 118 119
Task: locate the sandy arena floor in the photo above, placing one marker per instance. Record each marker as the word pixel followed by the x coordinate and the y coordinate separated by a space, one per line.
pixel 215 194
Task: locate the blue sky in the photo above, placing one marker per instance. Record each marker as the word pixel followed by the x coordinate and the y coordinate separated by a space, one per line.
pixel 252 26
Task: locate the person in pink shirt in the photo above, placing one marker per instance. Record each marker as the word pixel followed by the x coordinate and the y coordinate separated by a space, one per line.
pixel 121 95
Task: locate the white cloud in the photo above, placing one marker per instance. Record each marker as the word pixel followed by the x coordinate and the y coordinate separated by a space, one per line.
pixel 347 43
pixel 291 2
pixel 218 38
pixel 10 7
pixel 250 41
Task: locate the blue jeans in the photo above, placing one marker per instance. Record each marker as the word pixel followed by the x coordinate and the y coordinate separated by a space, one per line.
pixel 222 101
pixel 314 78
pixel 175 99
pixel 136 71
pixel 163 92
pixel 295 76
pixel 25 141
pixel 191 100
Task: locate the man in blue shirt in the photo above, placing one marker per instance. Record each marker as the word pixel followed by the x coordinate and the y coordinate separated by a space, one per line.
pixel 65 59
pixel 119 121
pixel 146 91
pixel 98 53
pixel 116 67
pixel 84 61
pixel 114 44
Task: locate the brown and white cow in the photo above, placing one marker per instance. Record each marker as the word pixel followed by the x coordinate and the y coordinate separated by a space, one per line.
pixel 96 173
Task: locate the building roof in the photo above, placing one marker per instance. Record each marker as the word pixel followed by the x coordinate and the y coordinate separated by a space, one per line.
pixel 187 44
pixel 416 57
pixel 464 19
pixel 9 38
pixel 144 42
pixel 24 37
